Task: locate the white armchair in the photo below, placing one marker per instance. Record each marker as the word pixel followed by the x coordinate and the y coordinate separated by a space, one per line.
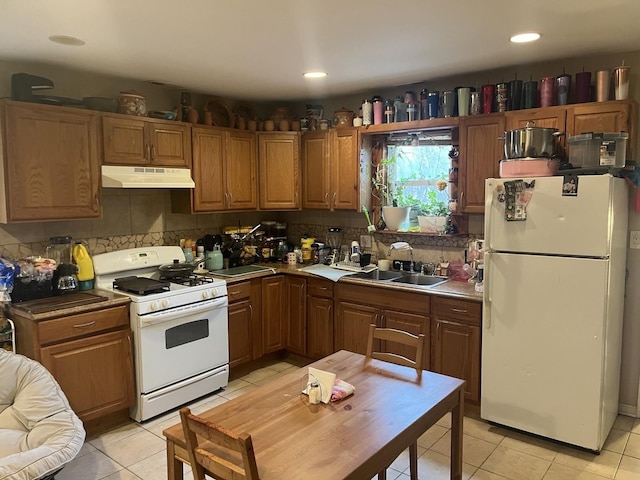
pixel 39 433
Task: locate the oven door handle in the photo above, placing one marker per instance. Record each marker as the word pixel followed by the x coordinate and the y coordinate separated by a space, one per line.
pixel 172 314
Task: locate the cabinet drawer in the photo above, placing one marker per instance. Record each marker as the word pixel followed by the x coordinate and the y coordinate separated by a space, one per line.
pixel 238 291
pixel 83 324
pixel 319 288
pixel 456 309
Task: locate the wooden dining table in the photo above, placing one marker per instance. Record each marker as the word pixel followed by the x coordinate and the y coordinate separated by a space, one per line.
pixel 354 438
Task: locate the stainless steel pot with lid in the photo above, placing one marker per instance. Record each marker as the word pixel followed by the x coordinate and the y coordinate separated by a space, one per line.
pixel 531 142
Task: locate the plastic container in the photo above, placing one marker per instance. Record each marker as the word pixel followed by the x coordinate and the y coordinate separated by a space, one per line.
pixel 214 259
pixel 598 150
pixel 85 267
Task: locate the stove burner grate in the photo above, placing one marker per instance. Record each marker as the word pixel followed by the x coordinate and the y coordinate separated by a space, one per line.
pixel 189 280
pixel 141 285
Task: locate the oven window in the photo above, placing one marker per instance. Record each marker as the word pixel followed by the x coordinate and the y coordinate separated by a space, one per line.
pixel 186 333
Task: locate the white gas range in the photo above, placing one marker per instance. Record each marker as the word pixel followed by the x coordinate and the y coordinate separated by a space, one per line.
pixel 179 327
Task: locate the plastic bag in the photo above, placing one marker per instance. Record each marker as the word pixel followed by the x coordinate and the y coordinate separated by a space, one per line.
pixel 8 272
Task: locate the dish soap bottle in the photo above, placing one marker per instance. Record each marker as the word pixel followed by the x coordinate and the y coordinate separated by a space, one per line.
pixel 85 267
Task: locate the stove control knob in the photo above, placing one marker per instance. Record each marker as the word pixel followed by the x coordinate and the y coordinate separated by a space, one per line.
pixel 165 303
pixel 214 292
pixel 153 306
pixel 205 294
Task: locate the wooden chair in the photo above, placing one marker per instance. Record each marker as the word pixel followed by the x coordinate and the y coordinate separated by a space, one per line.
pixel 223 455
pixel 409 340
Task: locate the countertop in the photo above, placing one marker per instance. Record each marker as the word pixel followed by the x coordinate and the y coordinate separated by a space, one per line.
pixel 112 300
pixel 451 288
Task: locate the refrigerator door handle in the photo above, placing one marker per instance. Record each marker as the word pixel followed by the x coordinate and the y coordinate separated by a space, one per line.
pixel 488 202
pixel 486 320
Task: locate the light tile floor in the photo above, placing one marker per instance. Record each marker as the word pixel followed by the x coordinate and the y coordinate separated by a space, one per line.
pixel 137 451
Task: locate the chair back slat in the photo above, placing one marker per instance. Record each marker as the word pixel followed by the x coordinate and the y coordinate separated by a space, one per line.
pixel 399 337
pixel 223 454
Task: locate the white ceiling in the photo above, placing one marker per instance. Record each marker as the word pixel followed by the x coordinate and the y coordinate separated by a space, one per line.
pixel 258 49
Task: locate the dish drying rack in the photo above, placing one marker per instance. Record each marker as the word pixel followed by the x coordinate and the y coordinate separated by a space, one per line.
pixel 353 267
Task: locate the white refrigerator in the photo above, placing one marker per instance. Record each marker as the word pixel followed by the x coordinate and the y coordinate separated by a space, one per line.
pixel 553 306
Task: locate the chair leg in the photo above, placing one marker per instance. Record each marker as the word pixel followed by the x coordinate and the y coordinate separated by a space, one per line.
pixel 382 475
pixel 413 461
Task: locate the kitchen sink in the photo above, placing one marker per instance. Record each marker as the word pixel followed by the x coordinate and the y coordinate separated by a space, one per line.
pixel 421 280
pixel 377 275
pixel 401 277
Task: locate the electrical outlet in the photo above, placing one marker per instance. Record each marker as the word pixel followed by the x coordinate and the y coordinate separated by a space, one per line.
pixel 634 239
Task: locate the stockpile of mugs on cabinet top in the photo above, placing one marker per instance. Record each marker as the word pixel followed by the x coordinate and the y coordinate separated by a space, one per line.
pixel 501 97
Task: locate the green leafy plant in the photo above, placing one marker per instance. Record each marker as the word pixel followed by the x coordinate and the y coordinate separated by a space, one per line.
pixel 433 206
pixel 391 194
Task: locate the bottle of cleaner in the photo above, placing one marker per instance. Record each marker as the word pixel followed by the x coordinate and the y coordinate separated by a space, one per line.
pixel 85 267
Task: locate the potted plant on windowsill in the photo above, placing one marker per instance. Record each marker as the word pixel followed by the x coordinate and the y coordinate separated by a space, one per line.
pixel 396 207
pixel 433 212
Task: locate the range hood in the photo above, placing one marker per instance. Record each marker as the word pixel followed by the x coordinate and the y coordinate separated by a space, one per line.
pixel 146 177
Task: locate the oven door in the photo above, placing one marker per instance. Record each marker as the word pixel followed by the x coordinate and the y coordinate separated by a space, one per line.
pixel 178 343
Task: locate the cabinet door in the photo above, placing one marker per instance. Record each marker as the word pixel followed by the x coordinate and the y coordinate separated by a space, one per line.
pixel 319 327
pixel 52 163
pixel 208 170
pixel 279 167
pixel 345 169
pixel 550 117
pixel 411 323
pixel 240 344
pixel 296 296
pixel 614 116
pixel 456 352
pixel 315 170
pixel 273 314
pixel 125 141
pixel 170 144
pixel 480 152
pixel 352 325
pixel 598 117
pixel 95 373
pixel 241 171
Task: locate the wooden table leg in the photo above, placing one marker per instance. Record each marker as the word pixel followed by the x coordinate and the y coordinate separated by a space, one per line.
pixel 174 465
pixel 457 415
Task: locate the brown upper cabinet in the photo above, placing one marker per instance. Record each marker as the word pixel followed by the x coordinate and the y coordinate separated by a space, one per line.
pixel 224 172
pixel 331 169
pixel 279 171
pixel 51 164
pixel 480 152
pixel 145 141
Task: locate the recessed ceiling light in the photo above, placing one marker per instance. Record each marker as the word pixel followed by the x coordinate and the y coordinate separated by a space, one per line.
pixel 315 74
pixel 525 37
pixel 67 40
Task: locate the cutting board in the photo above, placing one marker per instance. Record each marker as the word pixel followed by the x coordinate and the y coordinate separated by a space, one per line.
pixel 50 304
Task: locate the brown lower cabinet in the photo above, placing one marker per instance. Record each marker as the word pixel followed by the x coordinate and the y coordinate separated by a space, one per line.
pixel 89 354
pixel 273 313
pixel 244 313
pixel 455 342
pixel 319 318
pixel 357 307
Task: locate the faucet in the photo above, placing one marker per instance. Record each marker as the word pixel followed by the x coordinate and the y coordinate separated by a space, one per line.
pixel 403 246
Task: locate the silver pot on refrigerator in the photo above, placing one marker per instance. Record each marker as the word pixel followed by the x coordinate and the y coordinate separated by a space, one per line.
pixel 530 142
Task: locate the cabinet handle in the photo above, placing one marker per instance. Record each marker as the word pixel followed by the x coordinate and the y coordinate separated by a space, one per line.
pixel 147 154
pixel 438 330
pixel 251 310
pixel 459 310
pixel 88 324
pixel 229 200
pixel 335 195
pixel 153 152
pixel 235 292
pixel 326 197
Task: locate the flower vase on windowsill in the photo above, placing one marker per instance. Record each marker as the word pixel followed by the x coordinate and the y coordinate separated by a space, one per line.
pixel 396 218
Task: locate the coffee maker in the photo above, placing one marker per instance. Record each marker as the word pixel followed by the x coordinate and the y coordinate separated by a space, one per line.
pixel 64 277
